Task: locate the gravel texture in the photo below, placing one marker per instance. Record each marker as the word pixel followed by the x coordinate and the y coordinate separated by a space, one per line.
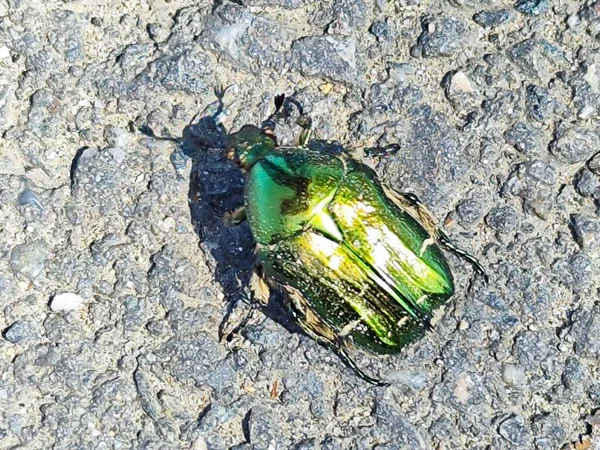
pixel 116 271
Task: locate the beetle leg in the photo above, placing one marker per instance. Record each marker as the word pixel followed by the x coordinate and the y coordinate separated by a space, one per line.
pixel 416 208
pixel 340 351
pixel 319 331
pixel 229 336
pixel 447 243
pixel 306 123
pixel 335 344
pixel 235 217
pixel 259 294
pixel 269 124
pixel 376 152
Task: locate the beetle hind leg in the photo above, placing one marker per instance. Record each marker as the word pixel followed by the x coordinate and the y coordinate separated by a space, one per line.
pixel 377 152
pixel 319 331
pixel 341 352
pixel 338 347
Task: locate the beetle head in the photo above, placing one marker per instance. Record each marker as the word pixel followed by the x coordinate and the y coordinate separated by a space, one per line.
pixel 249 144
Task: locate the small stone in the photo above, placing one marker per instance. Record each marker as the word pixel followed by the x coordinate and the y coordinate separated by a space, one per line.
pixel 586 231
pixel 533 182
pixel 200 444
pixel 493 18
pixel 243 38
pixel 585 331
pixel 524 138
pixel 469 211
pixel 531 7
pixel 117 153
pixel 28 197
pixel 19 332
pixel 381 30
pixel 575 377
pixel 118 137
pixel 440 37
pixel 514 430
pixel 576 272
pixel 587 184
pixel 575 145
pixel 539 103
pixel 549 432
pixel 66 302
pixel 586 112
pixel 4 52
pixel 332 57
pixel 592 78
pixel 594 164
pixel 157 32
pixel 537 58
pixel 573 21
pixel 514 375
pixel 503 219
pixel 29 259
pixel 461 83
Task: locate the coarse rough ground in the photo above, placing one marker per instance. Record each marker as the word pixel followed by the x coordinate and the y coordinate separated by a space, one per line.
pixel 116 270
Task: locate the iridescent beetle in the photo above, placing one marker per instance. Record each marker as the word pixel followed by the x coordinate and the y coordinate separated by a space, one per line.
pixel 357 262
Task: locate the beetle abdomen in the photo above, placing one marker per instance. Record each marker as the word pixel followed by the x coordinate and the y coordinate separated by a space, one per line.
pixel 339 291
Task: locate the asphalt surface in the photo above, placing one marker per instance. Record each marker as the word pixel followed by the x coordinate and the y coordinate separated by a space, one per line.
pixel 116 271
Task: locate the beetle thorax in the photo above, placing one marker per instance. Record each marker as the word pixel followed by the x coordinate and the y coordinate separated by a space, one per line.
pixel 249 145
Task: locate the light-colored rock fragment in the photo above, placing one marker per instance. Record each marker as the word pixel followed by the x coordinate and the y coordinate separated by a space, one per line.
pixel 67 301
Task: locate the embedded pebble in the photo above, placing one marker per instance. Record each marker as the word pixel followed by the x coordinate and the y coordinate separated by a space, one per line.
pixel 493 18
pixel 503 219
pixel 575 145
pixel 19 332
pixel 66 301
pixel 29 259
pixel 587 231
pixel 514 375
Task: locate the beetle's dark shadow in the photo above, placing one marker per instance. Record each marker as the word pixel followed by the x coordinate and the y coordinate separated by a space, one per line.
pixel 216 187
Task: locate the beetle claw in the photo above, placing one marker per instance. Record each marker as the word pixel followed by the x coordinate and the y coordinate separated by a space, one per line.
pixel 337 347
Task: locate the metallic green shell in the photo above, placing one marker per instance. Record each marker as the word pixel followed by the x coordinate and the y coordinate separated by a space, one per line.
pixel 364 265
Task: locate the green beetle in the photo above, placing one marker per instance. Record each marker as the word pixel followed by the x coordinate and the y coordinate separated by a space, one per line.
pixel 358 263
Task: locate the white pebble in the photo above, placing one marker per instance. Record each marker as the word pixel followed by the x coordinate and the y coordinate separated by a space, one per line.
pixel 199 444
pixel 460 82
pixel 587 112
pixel 513 375
pixel 573 21
pixel 67 301
pixel 4 52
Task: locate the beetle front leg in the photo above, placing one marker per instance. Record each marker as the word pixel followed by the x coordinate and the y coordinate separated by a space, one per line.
pixel 235 217
pixel 377 152
pixel 306 123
